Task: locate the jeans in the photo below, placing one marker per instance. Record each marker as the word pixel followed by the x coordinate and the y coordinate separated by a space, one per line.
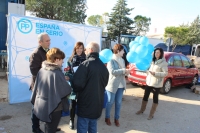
pixel 85 125
pixel 155 92
pixel 117 97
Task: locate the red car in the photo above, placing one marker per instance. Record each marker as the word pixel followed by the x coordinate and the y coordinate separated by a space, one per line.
pixel 180 71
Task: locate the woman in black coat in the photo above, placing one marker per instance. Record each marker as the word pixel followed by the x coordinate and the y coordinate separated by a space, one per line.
pixel 77 57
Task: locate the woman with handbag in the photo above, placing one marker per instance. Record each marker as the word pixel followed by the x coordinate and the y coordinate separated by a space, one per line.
pixel 154 80
pixel 77 57
pixel 116 83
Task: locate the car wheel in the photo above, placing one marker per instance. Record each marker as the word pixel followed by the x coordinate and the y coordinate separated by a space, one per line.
pixel 195 80
pixel 166 87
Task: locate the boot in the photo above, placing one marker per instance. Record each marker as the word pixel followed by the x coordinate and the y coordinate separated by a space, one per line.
pixel 72 116
pixel 58 129
pixel 107 120
pixel 143 107
pixel 71 124
pixel 38 130
pixel 153 110
pixel 117 123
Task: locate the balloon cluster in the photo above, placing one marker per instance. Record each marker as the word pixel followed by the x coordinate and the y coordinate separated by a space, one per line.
pixel 140 52
pixel 105 55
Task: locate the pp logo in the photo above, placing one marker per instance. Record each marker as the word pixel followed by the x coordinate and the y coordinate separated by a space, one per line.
pixel 25 26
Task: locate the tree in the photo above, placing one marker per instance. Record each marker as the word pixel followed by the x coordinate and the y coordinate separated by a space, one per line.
pixel 178 34
pixel 96 20
pixel 142 24
pixel 184 34
pixel 64 10
pixel 119 22
pixel 194 32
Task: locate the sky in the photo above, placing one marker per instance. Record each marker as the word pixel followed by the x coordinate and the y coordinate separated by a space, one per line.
pixel 163 13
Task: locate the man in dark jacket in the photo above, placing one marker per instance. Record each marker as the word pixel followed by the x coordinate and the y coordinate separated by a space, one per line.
pixel 89 82
pixel 36 59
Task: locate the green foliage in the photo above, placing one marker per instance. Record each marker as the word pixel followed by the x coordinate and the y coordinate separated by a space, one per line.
pixel 64 10
pixel 184 34
pixel 96 20
pixel 178 34
pixel 142 24
pixel 194 32
pixel 119 22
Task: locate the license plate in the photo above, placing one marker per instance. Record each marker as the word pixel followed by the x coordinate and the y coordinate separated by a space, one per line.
pixel 141 73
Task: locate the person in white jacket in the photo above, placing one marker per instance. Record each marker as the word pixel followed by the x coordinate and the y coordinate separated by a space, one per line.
pixel 154 80
pixel 116 83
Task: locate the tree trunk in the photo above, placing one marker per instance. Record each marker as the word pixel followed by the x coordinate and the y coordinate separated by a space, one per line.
pixel 119 40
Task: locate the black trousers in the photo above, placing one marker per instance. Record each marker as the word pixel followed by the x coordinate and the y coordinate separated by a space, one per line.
pixel 50 127
pixel 72 109
pixel 35 120
pixel 155 92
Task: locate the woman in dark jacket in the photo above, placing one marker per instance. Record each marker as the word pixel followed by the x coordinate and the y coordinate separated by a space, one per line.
pixel 77 57
pixel 50 91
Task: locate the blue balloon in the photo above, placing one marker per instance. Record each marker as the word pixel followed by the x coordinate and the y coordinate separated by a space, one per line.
pixel 143 64
pixel 132 57
pixel 137 39
pixel 142 51
pixel 150 47
pixel 135 45
pixel 149 58
pixel 132 43
pixel 104 60
pixel 144 41
pixel 105 55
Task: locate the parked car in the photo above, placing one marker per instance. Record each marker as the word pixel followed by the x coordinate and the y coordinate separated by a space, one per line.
pixel 180 71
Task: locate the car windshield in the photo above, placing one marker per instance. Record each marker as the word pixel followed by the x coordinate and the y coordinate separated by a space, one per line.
pixel 126 40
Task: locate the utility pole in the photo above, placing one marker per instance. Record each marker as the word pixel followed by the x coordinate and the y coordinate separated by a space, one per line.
pixel 169 44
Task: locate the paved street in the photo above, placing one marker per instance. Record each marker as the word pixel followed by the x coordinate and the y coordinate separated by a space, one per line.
pixel 177 112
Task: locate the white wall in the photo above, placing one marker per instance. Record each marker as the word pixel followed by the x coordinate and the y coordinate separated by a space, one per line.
pixel 16 8
pixel 155 41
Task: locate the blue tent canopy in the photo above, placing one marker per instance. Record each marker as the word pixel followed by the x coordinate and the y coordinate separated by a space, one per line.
pixel 184 49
